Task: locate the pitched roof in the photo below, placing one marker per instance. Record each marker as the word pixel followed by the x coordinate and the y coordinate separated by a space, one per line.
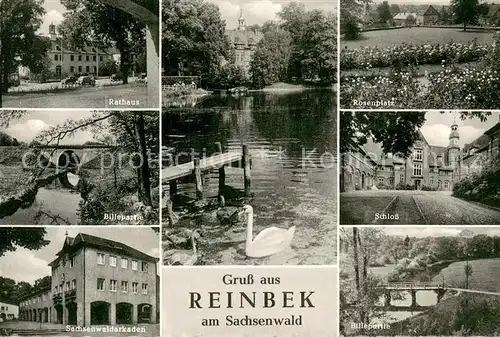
pixel 87 240
pixel 246 38
pixel 404 15
pixel 439 152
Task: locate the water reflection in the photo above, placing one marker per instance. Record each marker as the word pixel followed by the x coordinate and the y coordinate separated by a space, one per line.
pixel 292 141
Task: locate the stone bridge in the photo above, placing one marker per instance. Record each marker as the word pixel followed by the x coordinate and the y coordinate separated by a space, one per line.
pixel 74 158
pixel 412 288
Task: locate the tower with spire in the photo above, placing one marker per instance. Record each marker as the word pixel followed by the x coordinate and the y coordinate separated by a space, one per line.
pixel 453 151
pixel 52 32
pixel 241 21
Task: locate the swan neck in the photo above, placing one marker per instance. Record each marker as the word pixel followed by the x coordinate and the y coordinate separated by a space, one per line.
pixel 249 228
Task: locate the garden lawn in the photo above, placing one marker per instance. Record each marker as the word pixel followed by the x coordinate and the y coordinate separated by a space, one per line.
pixel 417 36
pixel 485 275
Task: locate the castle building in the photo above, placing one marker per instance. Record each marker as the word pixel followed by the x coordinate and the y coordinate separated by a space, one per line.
pixel 428 167
pixel 243 43
pixel 96 281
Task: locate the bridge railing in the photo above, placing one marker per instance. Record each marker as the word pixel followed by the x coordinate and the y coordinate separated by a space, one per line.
pixel 407 285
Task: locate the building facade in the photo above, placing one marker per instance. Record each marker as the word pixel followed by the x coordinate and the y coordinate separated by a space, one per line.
pixel 65 62
pixel 243 44
pixel 8 311
pixel 428 167
pixel 97 281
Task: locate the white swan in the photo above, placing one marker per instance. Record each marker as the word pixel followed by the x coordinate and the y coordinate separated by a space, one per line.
pixel 268 242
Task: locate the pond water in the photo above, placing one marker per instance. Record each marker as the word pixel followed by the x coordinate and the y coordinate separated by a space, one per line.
pixel 292 142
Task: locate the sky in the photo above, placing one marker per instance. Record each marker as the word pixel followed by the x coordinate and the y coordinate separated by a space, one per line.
pixel 436 128
pixel 54 14
pixel 34 122
pixel 260 11
pixel 436 231
pixel 26 265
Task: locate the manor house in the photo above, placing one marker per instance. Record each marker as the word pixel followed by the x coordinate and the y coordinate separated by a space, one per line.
pixel 429 166
pixel 243 42
pixel 96 281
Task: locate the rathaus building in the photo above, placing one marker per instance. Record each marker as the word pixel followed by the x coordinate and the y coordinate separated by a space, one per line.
pixel 96 281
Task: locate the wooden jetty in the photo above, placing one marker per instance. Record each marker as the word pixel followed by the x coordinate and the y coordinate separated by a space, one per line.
pixel 196 168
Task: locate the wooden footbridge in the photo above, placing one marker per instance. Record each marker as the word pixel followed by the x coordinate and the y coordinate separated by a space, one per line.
pixel 197 167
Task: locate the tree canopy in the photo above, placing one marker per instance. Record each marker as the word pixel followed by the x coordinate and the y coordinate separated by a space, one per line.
pixel 19 43
pixel 93 23
pixel 194 39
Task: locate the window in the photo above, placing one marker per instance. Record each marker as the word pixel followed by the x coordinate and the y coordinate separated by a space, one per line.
pixel 144 266
pixel 418 154
pixel 112 285
pixel 79 57
pixel 401 178
pixel 58 70
pixel 446 184
pixel 431 180
pixel 112 261
pixel 94 58
pixel 134 265
pixel 95 70
pixel 135 287
pixel 87 69
pixel 100 284
pixel 72 57
pixel 144 289
pixel 391 181
pixel 100 58
pixel 100 258
pixel 125 286
pixel 58 47
pixel 381 180
pixel 124 263
pixel 87 58
pixel 56 57
pixel 67 286
pixel 417 170
pixel 80 69
pixel 73 284
pixel 72 69
pixel 72 262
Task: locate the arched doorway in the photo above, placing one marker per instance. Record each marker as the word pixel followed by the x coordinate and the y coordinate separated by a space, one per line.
pixel 45 315
pixel 99 313
pixel 71 307
pixel 363 181
pixel 59 313
pixel 144 313
pixel 124 313
pixel 3 316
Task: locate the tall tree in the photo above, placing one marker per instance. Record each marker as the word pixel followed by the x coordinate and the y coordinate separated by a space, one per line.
pixel 89 22
pixel 466 12
pixel 395 9
pixel 269 63
pixel 314 42
pixel 194 39
pixel 26 237
pixel 384 12
pixel 19 43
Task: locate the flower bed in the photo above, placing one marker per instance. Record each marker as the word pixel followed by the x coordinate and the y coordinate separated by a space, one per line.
pixel 451 88
pixel 408 54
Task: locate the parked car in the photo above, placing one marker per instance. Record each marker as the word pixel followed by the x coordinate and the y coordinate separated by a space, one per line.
pixel 142 78
pixel 117 77
pixel 70 80
pixel 86 80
